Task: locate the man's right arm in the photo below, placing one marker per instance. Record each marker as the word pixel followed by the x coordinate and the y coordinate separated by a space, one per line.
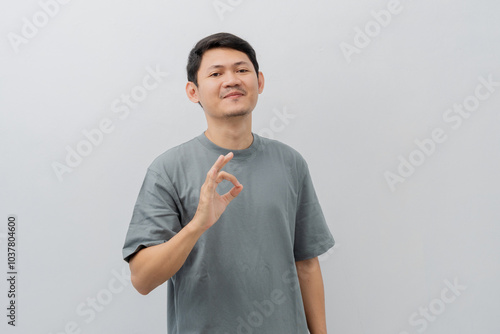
pixel 152 266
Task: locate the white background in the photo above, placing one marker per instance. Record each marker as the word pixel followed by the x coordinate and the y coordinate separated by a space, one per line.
pixel 353 117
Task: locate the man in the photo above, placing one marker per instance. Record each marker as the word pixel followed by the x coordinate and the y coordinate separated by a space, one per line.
pixel 245 261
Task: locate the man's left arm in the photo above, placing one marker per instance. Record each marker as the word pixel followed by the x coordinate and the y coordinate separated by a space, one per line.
pixel 313 295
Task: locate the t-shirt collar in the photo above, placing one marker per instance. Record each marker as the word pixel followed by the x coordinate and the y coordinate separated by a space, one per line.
pixel 238 154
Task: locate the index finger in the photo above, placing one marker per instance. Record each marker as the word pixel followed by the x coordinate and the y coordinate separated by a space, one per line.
pixel 222 162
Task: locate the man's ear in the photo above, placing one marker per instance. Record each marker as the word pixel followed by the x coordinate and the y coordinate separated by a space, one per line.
pixel 192 92
pixel 261 82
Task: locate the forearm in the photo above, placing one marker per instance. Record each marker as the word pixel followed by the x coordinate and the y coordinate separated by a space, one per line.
pixel 152 266
pixel 313 296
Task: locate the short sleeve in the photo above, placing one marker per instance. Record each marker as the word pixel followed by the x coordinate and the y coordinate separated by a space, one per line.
pixel 156 216
pixel 312 236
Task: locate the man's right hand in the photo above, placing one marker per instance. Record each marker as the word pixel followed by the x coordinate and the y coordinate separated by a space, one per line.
pixel 154 265
pixel 211 204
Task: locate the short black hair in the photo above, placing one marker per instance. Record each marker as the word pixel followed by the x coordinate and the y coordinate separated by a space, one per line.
pixel 219 40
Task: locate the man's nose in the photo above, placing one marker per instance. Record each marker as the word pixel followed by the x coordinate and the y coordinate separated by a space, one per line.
pixel 232 79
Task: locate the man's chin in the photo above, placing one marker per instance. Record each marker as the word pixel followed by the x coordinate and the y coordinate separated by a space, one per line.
pixel 237 113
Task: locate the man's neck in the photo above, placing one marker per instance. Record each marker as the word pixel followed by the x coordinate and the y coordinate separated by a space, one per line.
pixel 231 135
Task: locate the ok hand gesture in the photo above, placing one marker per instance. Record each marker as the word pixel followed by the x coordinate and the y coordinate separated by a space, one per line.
pixel 211 204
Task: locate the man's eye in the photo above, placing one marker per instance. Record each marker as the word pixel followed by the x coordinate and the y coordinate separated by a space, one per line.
pixel 214 74
pixel 243 70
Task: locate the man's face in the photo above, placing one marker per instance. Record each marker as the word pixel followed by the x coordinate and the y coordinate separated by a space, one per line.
pixel 227 84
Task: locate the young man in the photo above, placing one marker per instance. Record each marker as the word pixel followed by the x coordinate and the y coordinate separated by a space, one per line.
pixel 245 261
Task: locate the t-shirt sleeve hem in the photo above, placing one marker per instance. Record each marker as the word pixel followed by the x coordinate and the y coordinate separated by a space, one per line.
pixel 323 248
pixel 131 251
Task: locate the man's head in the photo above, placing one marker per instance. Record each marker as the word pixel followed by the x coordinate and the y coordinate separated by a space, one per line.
pixel 224 76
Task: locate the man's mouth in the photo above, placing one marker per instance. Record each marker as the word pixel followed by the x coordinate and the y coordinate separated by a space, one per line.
pixel 234 95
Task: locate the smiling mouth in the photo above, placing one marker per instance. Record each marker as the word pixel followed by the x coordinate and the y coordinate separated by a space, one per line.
pixel 233 95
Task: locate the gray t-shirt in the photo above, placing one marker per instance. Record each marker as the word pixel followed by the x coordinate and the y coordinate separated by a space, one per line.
pixel 240 276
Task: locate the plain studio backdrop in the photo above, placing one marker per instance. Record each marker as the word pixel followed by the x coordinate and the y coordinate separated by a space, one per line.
pixel 394 104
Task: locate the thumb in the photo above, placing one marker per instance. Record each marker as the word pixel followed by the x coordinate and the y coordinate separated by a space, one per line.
pixel 233 193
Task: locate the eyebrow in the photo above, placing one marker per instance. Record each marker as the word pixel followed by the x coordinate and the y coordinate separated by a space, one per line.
pixel 234 65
